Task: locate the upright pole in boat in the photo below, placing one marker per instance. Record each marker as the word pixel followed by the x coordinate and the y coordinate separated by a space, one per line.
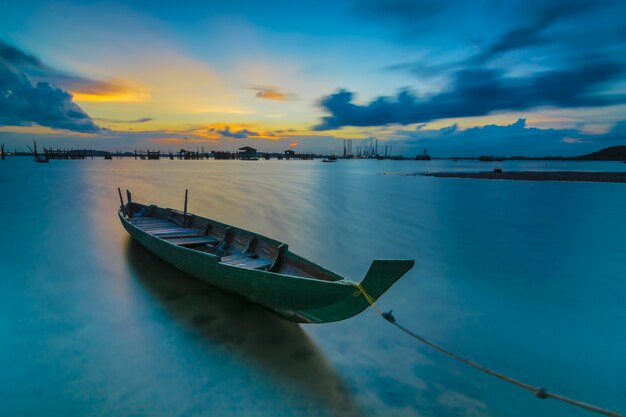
pixel 129 197
pixel 185 211
pixel 121 200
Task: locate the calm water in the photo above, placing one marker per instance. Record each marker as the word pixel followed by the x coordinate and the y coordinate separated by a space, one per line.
pixel 526 277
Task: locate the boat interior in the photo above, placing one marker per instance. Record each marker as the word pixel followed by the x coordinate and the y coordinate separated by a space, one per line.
pixel 230 245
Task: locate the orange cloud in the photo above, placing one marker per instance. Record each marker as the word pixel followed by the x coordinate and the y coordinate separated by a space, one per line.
pixel 102 91
pixel 294 144
pixel 270 93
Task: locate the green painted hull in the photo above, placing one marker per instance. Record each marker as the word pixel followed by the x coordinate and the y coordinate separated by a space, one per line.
pixel 300 299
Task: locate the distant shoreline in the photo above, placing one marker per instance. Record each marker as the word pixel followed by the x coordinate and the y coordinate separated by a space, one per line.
pixel 619 177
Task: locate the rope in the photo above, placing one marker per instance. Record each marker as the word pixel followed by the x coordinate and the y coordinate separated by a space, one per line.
pixel 540 392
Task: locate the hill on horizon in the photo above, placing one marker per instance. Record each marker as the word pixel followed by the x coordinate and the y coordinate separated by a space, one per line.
pixel 613 153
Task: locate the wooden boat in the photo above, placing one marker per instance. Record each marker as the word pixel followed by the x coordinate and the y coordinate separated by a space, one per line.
pixel 36 156
pixel 424 156
pixel 254 266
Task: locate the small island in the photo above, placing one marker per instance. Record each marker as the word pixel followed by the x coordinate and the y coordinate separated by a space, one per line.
pixel 537 176
pixel 614 153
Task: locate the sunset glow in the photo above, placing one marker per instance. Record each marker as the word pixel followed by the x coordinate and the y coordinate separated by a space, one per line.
pixel 139 74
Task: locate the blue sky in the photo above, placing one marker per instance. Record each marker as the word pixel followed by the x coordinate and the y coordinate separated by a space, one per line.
pixel 455 77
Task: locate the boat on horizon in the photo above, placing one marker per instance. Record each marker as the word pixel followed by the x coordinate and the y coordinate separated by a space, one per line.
pixel 36 157
pixel 424 156
pixel 259 268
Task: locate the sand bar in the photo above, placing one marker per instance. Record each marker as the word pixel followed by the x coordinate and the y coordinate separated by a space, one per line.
pixel 536 176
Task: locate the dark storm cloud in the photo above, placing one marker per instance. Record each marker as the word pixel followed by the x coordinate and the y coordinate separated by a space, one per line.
pixel 24 103
pixel 478 92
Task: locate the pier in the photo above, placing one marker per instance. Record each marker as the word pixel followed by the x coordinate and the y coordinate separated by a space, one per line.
pixel 245 153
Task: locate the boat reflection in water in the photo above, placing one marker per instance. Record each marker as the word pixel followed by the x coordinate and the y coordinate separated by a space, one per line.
pixel 253 334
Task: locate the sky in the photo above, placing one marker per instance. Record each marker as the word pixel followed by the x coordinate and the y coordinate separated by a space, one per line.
pixel 459 78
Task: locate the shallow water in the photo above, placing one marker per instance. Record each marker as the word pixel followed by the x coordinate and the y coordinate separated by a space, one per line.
pixel 526 277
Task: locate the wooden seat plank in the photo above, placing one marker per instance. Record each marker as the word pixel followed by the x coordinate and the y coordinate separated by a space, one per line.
pixel 192 241
pixel 179 235
pixel 165 231
pixel 236 256
pixel 153 225
pixel 157 226
pixel 147 221
pixel 250 263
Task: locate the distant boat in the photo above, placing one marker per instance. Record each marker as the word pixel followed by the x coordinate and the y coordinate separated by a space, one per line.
pixel 424 156
pixel 36 156
pixel 330 159
pixel 259 268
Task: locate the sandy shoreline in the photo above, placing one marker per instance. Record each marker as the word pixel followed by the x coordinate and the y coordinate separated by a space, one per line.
pixel 537 176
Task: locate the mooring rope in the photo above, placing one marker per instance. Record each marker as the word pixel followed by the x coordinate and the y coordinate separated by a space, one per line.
pixel 540 392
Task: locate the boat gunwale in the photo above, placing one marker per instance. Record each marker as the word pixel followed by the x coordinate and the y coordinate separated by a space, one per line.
pixel 214 258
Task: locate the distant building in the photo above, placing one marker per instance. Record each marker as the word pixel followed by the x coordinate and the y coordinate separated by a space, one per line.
pixel 246 153
pixel 247 149
pixel 289 152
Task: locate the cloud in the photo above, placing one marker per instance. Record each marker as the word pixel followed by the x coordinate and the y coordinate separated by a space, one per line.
pixel 83 89
pixel 294 144
pixel 573 140
pixel 87 90
pixel 546 34
pixel 512 139
pixel 478 92
pixel 11 55
pixel 533 32
pixel 233 134
pixel 23 103
pixel 450 129
pixel 270 93
pixel 141 120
